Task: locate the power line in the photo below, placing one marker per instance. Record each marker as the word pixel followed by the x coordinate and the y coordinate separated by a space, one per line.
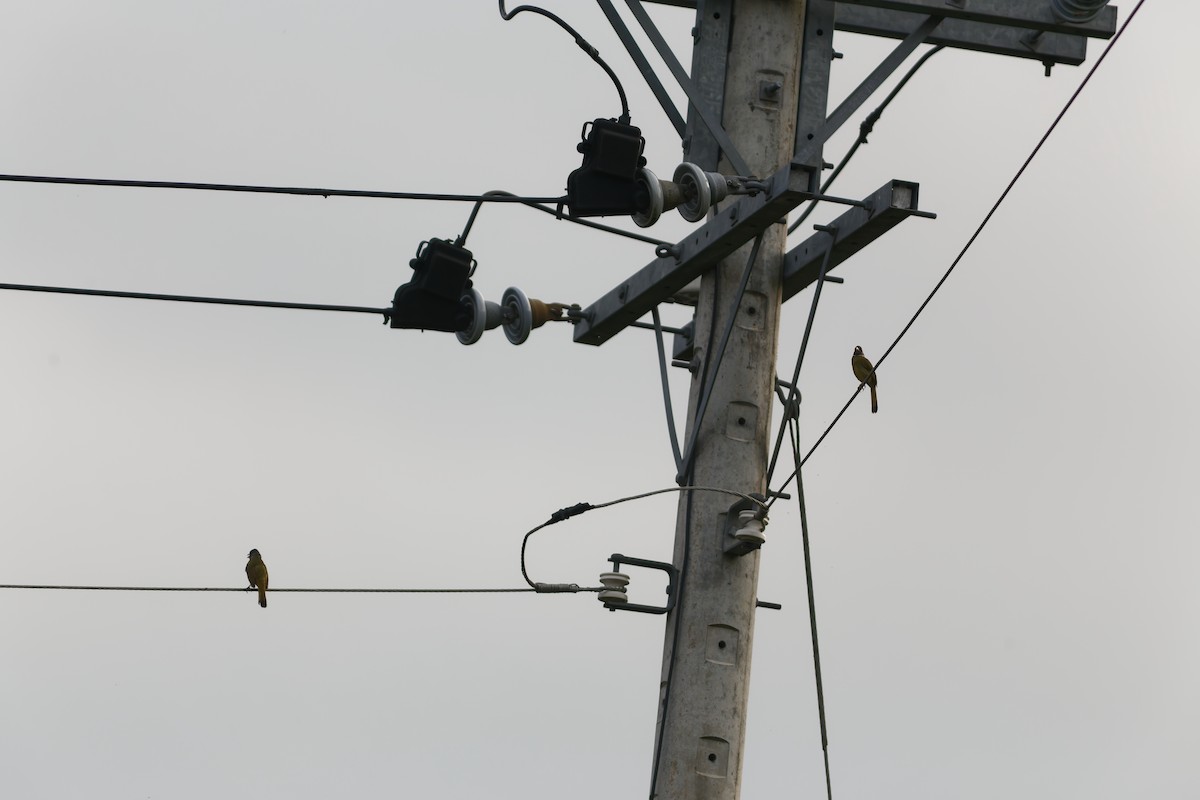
pixel 794 437
pixel 272 591
pixel 666 387
pixel 487 197
pixel 790 401
pixel 297 190
pixel 180 298
pixel 979 230
pixel 557 213
pixel 710 377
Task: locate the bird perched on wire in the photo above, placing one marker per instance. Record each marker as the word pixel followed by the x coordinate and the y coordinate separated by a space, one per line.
pixel 256 573
pixel 865 374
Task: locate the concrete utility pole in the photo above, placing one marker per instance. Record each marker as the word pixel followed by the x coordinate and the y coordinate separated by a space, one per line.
pixel 706 659
pixel 758 93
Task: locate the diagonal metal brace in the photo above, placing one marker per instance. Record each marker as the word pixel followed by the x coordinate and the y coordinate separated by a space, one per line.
pixel 711 120
pixel 724 233
pixel 635 52
pixel 813 143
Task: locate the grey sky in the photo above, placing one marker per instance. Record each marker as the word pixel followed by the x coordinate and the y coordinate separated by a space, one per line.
pixel 1004 556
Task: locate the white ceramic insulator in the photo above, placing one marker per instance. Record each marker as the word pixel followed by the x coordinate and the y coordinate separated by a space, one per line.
pixel 614 580
pixel 751 530
pixel 614 587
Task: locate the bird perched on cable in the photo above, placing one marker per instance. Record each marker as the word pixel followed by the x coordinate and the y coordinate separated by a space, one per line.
pixel 865 374
pixel 256 572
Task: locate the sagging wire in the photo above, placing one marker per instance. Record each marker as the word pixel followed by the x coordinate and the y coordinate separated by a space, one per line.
pixel 791 401
pixel 555 213
pixel 713 367
pixel 179 298
pixel 461 241
pixel 864 130
pixel 568 512
pixel 794 426
pixel 666 388
pixel 270 591
pixel 584 45
pixel 297 190
pixel 975 235
pixel 686 474
pixel 676 621
pixel 487 197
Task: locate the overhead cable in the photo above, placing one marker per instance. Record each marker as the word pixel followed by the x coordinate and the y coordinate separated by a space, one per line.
pixel 486 197
pixel 792 398
pixel 181 298
pixel 272 590
pixel 970 241
pixel 583 44
pixel 299 190
pixel 568 512
pixel 710 378
pixel 794 425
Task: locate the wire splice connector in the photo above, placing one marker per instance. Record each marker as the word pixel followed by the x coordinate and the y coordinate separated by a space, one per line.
pixel 560 588
pixel 569 511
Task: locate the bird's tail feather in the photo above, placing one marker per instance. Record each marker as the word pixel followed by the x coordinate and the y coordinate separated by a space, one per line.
pixel 874 410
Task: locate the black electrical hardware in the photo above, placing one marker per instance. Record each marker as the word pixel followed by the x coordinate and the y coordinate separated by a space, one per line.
pixel 606 183
pixel 433 298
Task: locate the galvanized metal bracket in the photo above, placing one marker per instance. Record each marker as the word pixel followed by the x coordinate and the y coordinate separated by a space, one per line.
pixel 883 210
pixel 819 19
pixel 730 543
pixel 862 224
pixel 710 56
pixel 672 581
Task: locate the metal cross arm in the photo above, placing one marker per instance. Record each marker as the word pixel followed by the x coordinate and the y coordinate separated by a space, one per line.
pixel 890 205
pixel 724 233
pixel 1034 14
pixel 1006 40
pixel 1017 28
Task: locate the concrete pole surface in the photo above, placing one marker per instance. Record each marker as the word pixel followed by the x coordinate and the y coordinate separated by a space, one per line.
pixel 706 658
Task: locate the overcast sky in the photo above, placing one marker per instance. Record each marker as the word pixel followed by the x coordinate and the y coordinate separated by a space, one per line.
pixel 1004 557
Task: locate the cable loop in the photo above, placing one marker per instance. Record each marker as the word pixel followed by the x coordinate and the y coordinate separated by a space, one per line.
pixel 583 44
